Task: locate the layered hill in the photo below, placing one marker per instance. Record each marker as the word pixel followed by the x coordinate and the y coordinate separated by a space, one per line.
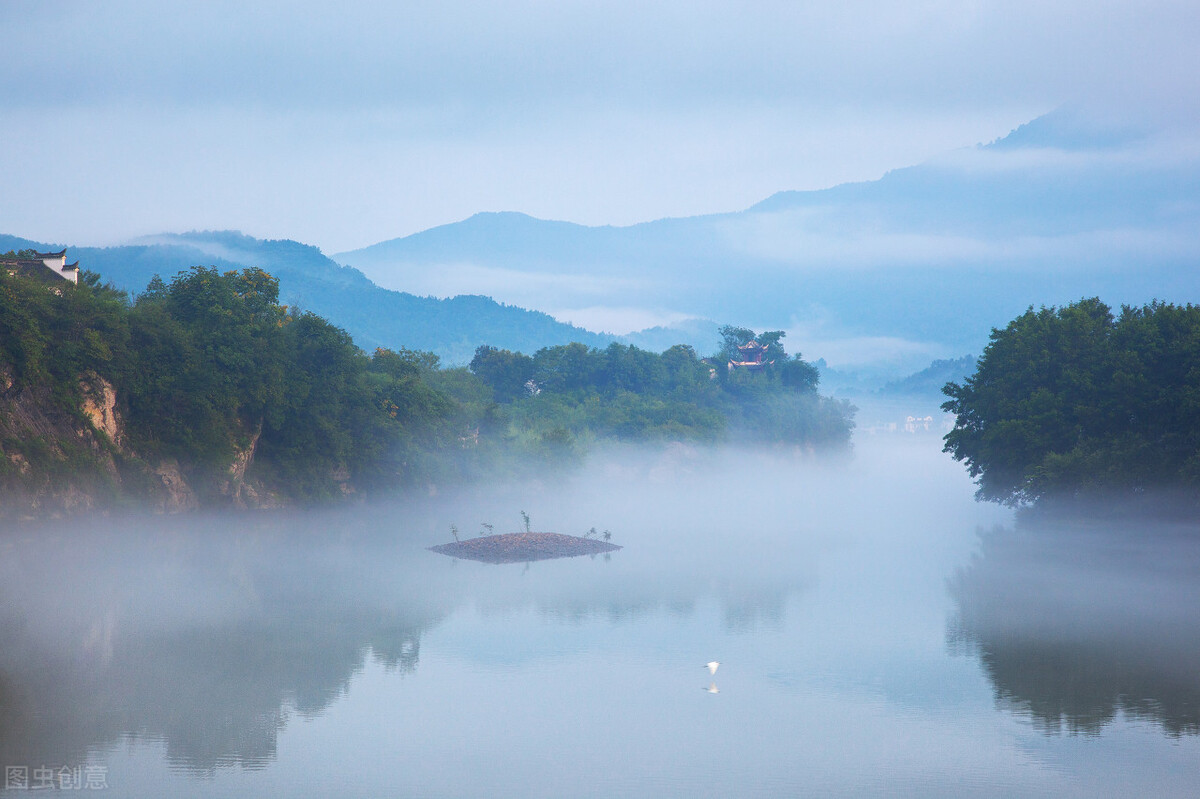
pixel 917 265
pixel 374 316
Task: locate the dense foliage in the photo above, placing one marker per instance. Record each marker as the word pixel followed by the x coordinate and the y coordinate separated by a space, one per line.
pixel 1074 402
pixel 562 396
pixel 52 336
pixel 451 327
pixel 210 369
pixel 211 365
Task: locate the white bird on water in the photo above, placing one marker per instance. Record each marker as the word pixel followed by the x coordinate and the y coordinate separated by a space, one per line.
pixel 712 666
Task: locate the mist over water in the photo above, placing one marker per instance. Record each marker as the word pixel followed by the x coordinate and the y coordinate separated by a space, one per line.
pixel 1081 625
pixel 878 632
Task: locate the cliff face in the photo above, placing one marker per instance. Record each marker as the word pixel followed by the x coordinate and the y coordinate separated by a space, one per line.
pixel 54 462
pixel 57 459
pixel 100 407
pixel 236 488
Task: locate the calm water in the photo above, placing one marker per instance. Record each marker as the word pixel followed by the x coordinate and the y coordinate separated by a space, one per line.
pixel 878 632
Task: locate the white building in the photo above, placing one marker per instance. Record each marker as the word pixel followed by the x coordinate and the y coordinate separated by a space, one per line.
pixel 56 262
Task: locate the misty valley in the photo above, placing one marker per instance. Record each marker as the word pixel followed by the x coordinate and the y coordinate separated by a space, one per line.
pixel 242 556
pixel 607 399
pixel 877 631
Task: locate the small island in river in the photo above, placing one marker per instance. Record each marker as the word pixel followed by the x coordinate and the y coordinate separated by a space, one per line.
pixel 523 547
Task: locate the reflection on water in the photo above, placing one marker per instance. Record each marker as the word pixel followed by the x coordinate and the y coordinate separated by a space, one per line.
pixel 207 640
pixel 317 654
pixel 1076 623
pixel 211 634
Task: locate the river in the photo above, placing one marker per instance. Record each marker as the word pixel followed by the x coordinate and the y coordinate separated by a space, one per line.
pixel 878 633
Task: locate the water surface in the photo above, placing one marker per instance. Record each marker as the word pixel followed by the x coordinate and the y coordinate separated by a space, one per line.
pixel 878 631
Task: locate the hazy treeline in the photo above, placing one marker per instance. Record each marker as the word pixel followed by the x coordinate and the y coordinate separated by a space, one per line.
pixel 1076 403
pixel 567 394
pixel 210 371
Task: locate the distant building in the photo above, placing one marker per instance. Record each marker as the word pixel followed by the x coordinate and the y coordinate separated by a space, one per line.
pixel 914 423
pixel 750 356
pixel 43 264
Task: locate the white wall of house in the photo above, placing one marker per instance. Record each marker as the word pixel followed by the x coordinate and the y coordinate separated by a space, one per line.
pixel 56 264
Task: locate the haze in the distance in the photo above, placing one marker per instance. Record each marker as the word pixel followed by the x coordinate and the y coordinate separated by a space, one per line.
pixel 347 125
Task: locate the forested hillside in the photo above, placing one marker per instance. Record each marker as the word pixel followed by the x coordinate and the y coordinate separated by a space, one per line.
pixel 205 390
pixel 213 385
pixel 451 328
pixel 569 395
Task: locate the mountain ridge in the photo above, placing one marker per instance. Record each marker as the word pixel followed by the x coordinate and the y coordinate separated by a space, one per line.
pixel 451 327
pixel 894 273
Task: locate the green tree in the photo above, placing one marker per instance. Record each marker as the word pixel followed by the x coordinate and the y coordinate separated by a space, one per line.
pixel 505 372
pixel 733 337
pixel 1073 402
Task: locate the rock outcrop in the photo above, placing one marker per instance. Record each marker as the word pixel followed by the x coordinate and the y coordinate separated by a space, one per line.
pixel 246 494
pixel 176 495
pixel 60 461
pixel 100 407
pixel 54 462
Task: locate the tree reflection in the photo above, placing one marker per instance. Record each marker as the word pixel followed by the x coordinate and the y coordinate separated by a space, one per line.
pixel 206 643
pixel 1077 623
pixel 206 635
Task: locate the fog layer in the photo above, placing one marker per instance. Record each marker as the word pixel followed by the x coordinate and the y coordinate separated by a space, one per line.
pixel 282 654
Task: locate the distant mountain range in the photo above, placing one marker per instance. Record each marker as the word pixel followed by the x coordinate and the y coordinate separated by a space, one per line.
pixel 929 381
pixel 880 277
pixel 374 316
pixel 877 279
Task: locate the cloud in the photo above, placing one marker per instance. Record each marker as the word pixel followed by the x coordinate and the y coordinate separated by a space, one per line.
pixel 527 53
pixel 1114 149
pixel 529 289
pixel 346 180
pixel 807 240
pixel 1069 192
pixel 619 320
pixel 893 353
pixel 347 124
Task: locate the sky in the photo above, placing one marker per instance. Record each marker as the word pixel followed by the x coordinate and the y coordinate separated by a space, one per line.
pixel 345 124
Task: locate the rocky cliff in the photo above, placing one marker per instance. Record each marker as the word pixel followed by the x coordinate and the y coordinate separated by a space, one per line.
pixel 68 455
